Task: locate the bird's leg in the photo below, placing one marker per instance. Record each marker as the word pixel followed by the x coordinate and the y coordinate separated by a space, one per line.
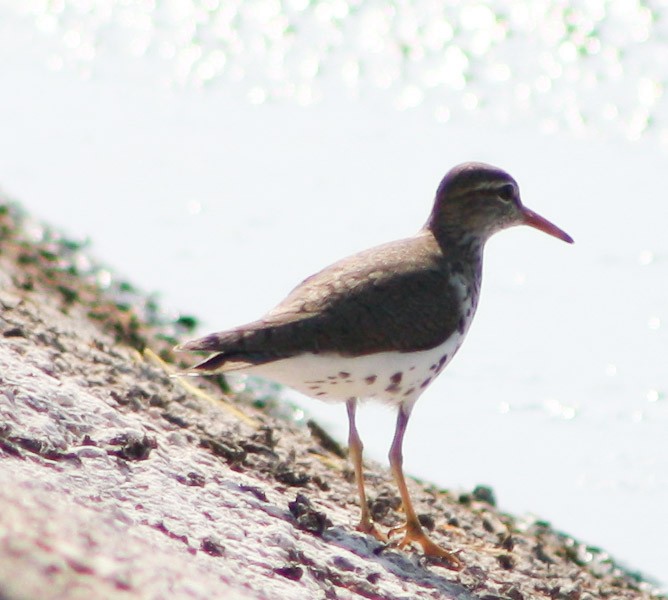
pixel 355 448
pixel 412 529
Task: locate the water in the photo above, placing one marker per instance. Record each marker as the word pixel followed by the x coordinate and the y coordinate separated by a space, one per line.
pixel 221 179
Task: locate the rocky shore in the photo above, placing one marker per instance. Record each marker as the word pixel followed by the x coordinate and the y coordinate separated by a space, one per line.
pixel 118 480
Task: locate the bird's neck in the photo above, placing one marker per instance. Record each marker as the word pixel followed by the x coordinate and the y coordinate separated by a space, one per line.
pixel 461 246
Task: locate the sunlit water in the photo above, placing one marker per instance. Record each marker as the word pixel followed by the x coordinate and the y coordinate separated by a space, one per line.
pixel 220 152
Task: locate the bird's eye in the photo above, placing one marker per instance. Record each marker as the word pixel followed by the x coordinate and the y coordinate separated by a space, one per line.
pixel 507 192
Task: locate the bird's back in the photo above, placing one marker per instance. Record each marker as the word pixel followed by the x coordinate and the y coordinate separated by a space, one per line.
pixel 362 304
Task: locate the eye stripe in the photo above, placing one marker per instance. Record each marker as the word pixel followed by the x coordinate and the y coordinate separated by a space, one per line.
pixel 507 192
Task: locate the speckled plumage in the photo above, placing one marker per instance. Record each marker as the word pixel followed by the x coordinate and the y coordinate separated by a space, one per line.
pixel 383 323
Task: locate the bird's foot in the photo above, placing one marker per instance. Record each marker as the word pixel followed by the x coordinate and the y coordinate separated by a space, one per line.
pixel 413 532
pixel 370 528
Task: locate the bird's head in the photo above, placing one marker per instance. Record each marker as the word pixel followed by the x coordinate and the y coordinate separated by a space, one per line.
pixel 476 199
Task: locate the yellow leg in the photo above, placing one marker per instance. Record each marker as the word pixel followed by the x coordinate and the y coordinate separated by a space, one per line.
pixel 355 448
pixel 412 529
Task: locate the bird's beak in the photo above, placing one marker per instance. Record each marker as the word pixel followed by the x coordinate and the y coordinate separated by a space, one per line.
pixel 535 220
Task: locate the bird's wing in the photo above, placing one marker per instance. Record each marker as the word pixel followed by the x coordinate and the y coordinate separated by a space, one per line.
pixel 383 292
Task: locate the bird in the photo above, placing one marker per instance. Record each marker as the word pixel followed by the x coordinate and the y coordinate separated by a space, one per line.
pixel 382 324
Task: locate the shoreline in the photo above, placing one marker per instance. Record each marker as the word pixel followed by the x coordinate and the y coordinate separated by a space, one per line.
pixel 182 491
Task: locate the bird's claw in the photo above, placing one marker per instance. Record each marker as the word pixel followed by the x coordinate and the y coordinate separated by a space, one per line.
pixel 369 527
pixel 413 533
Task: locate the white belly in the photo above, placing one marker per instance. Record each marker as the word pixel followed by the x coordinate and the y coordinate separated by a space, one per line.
pixel 393 377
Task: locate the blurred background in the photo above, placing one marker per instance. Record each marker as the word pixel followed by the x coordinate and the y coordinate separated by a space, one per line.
pixel 218 152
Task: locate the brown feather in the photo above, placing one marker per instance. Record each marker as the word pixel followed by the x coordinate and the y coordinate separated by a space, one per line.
pixel 360 305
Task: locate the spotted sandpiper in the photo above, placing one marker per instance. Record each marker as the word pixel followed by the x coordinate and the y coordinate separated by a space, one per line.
pixel 383 323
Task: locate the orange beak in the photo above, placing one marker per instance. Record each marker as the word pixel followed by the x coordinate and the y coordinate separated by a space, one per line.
pixel 535 220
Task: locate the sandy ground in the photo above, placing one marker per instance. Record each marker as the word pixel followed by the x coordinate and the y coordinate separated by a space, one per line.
pixel 119 481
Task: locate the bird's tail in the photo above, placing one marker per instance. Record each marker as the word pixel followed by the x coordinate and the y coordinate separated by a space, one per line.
pixel 228 354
